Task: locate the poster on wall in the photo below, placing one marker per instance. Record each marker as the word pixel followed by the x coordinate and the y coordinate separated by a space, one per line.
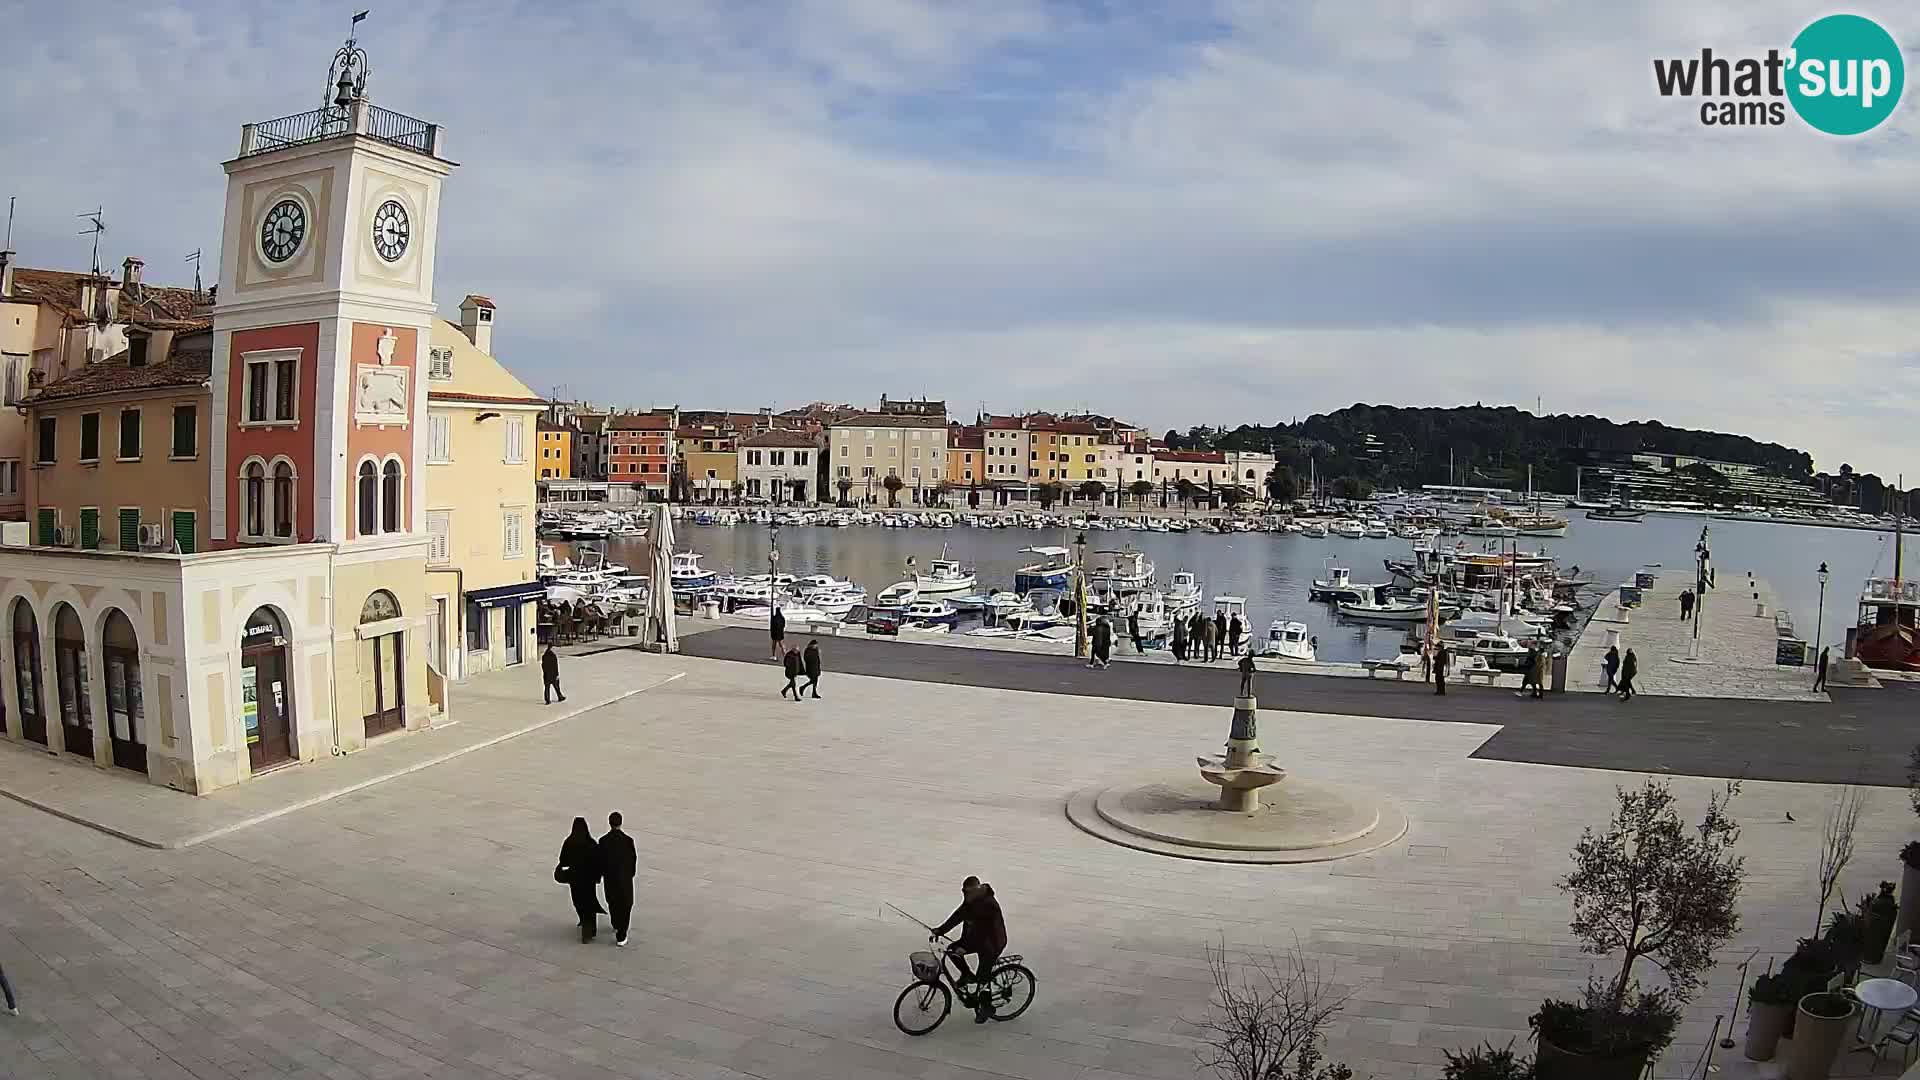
pixel 250 703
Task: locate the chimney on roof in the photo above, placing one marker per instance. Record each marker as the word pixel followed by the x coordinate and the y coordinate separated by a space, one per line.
pixel 130 273
pixel 476 321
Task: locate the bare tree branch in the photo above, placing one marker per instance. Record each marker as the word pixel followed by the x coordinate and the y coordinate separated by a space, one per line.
pixel 1267 1018
pixel 1836 845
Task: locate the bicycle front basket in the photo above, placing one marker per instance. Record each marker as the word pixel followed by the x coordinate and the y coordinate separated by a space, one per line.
pixel 926 966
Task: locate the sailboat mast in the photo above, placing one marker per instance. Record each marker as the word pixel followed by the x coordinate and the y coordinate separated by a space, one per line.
pixel 1899 537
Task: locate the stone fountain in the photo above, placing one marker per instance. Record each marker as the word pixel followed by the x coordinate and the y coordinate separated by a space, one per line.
pixel 1243 770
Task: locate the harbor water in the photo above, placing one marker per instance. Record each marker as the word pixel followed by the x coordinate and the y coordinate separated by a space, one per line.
pixel 1274 570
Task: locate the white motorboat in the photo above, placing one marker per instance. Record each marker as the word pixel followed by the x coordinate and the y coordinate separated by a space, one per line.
pixel 1290 641
pixel 1154 614
pixel 999 605
pixel 946 577
pixel 1482 525
pixel 1349 528
pixel 1315 529
pixel 898 595
pixel 1336 586
pixel 545 563
pixel 837 602
pixel 1041 611
pixel 1378 530
pixel 1376 607
pixel 795 613
pixel 931 611
pixel 809 583
pixel 1500 650
pixel 1053 570
pixel 1122 574
pixel 1184 593
pixel 685 573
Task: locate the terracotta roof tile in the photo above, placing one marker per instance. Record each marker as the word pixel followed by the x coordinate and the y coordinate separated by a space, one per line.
pixel 878 420
pixel 641 422
pixel 186 367
pixel 779 437
pixel 156 305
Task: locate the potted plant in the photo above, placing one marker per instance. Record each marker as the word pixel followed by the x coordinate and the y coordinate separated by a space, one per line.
pixel 1846 932
pixel 1881 911
pixel 1648 885
pixel 1813 964
pixel 1601 1038
pixel 1770 1004
pixel 1909 889
pixel 1486 1063
pixel 1824 1019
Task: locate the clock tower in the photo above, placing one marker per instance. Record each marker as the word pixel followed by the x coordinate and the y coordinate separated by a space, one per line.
pixel 318 425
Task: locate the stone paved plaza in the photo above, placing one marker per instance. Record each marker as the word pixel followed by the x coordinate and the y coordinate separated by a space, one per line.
pixel 411 928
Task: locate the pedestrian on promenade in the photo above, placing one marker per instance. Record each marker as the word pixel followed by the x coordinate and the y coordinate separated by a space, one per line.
pixel 1133 631
pixel 1219 634
pixel 777 627
pixel 1440 658
pixel 1686 604
pixel 793 666
pixel 1628 669
pixel 1527 670
pixel 579 870
pixel 1179 643
pixel 13 1007
pixel 810 663
pixel 617 864
pixel 1235 628
pixel 1102 643
pixel 1611 666
pixel 1246 675
pixel 550 675
pixel 1820 669
pixel 1209 639
pixel 1539 673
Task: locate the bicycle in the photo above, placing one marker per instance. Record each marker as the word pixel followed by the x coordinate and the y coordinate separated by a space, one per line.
pixel 924 1004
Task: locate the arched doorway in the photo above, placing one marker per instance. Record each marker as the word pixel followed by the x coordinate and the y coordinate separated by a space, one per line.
pixel 266 692
pixel 126 712
pixel 70 675
pixel 26 666
pixel 383 694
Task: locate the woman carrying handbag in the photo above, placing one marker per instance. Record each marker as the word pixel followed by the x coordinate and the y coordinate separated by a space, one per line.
pixel 579 870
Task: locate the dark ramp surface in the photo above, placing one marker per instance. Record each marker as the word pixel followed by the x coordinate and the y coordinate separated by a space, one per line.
pixel 1862 737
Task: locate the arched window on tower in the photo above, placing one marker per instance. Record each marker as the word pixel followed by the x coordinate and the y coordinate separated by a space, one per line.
pixel 369 499
pixel 283 500
pixel 254 481
pixel 390 504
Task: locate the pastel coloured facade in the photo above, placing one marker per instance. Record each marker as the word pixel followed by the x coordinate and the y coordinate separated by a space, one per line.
pixel 867 448
pixel 641 451
pixel 778 466
pixel 711 473
pixel 554 450
pixel 483 593
pixel 966 456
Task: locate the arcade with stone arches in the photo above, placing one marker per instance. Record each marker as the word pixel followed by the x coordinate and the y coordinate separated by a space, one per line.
pixel 79 678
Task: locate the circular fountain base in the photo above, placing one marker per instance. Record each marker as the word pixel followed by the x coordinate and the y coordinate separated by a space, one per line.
pixel 1297 821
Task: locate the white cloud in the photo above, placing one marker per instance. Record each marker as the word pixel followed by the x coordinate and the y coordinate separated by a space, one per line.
pixel 1245 212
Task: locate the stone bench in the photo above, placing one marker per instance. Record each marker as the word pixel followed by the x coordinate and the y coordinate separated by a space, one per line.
pixel 1399 667
pixel 822 626
pixel 1467 675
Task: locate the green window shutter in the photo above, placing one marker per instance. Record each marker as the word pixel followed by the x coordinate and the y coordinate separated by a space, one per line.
pixel 47 525
pixel 183 530
pixel 129 530
pixel 89 529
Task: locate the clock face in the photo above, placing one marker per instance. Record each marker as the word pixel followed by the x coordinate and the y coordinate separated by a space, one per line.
pixel 282 230
pixel 391 230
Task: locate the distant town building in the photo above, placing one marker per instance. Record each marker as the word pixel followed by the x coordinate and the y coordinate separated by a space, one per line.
pixel 912 407
pixel 778 466
pixel 867 448
pixel 641 450
pixel 556 450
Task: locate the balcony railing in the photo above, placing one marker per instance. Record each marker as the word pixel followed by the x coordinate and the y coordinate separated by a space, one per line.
pixel 363 118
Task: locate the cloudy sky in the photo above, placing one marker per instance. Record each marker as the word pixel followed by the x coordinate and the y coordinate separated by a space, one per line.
pixel 1191 212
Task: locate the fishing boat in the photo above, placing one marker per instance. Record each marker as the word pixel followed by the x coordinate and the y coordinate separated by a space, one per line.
pixel 931 611
pixel 1289 640
pixel 1887 633
pixel 838 603
pixel 1184 594
pixel 898 595
pixel 1155 617
pixel 1375 606
pixel 1315 529
pixel 1617 512
pixel 1041 611
pixel 1483 525
pixel 1337 586
pixel 685 574
pixel 946 577
pixel 1378 530
pixel 1349 528
pixel 1053 570
pixel 1501 651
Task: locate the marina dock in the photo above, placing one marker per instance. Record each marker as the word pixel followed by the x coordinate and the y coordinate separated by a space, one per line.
pixel 1738 640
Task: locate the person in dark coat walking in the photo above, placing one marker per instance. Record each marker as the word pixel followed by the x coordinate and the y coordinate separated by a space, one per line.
pixel 579 867
pixel 617 863
pixel 1179 642
pixel 550 676
pixel 1686 604
pixel 1102 642
pixel 983 931
pixel 1133 631
pixel 1235 628
pixel 1628 669
pixel 1820 669
pixel 810 663
pixel 1440 658
pixel 1209 640
pixel 777 627
pixel 1611 666
pixel 794 667
pixel 1527 670
pixel 1540 673
pixel 1219 634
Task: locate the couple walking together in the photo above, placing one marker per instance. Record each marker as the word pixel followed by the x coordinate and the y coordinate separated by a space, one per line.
pixel 609 861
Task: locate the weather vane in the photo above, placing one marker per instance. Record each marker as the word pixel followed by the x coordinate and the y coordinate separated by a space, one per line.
pixel 347 75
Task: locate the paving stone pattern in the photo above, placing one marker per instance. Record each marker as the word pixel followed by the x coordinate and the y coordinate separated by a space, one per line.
pixel 1738 646
pixel 412 929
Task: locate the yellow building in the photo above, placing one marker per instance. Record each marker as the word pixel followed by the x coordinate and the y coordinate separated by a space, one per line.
pixel 711 473
pixel 1078 451
pixel 555 450
pixel 483 590
pixel 966 457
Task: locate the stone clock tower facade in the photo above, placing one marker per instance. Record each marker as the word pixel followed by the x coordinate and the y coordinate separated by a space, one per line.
pixel 318 412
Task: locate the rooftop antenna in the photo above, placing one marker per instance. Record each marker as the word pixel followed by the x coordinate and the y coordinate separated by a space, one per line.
pixel 8 246
pixel 195 260
pixel 95 225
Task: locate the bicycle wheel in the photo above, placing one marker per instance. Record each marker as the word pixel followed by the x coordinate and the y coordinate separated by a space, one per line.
pixel 1012 990
pixel 920 1007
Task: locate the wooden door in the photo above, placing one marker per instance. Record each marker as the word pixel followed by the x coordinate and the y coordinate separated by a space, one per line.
pixel 267 706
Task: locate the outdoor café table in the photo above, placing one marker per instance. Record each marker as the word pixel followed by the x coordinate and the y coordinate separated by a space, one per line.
pixel 1882 996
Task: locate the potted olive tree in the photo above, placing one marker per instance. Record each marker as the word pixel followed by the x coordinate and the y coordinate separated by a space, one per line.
pixel 1813 964
pixel 1770 1004
pixel 1825 1017
pixel 1648 885
pixel 1881 912
pixel 1909 888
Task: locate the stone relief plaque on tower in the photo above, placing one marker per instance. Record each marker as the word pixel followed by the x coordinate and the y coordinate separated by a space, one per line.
pixel 380 389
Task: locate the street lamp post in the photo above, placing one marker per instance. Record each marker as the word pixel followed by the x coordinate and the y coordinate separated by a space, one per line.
pixel 1080 595
pixel 773 561
pixel 1820 619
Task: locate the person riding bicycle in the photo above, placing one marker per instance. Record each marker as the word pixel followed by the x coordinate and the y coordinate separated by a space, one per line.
pixel 983 932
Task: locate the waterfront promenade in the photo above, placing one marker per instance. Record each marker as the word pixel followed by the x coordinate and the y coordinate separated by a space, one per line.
pixel 410 928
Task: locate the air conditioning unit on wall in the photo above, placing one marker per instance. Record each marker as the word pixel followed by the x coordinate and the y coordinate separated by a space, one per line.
pixel 152 537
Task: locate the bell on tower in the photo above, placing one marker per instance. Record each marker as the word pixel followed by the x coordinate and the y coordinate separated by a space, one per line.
pixel 347 76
